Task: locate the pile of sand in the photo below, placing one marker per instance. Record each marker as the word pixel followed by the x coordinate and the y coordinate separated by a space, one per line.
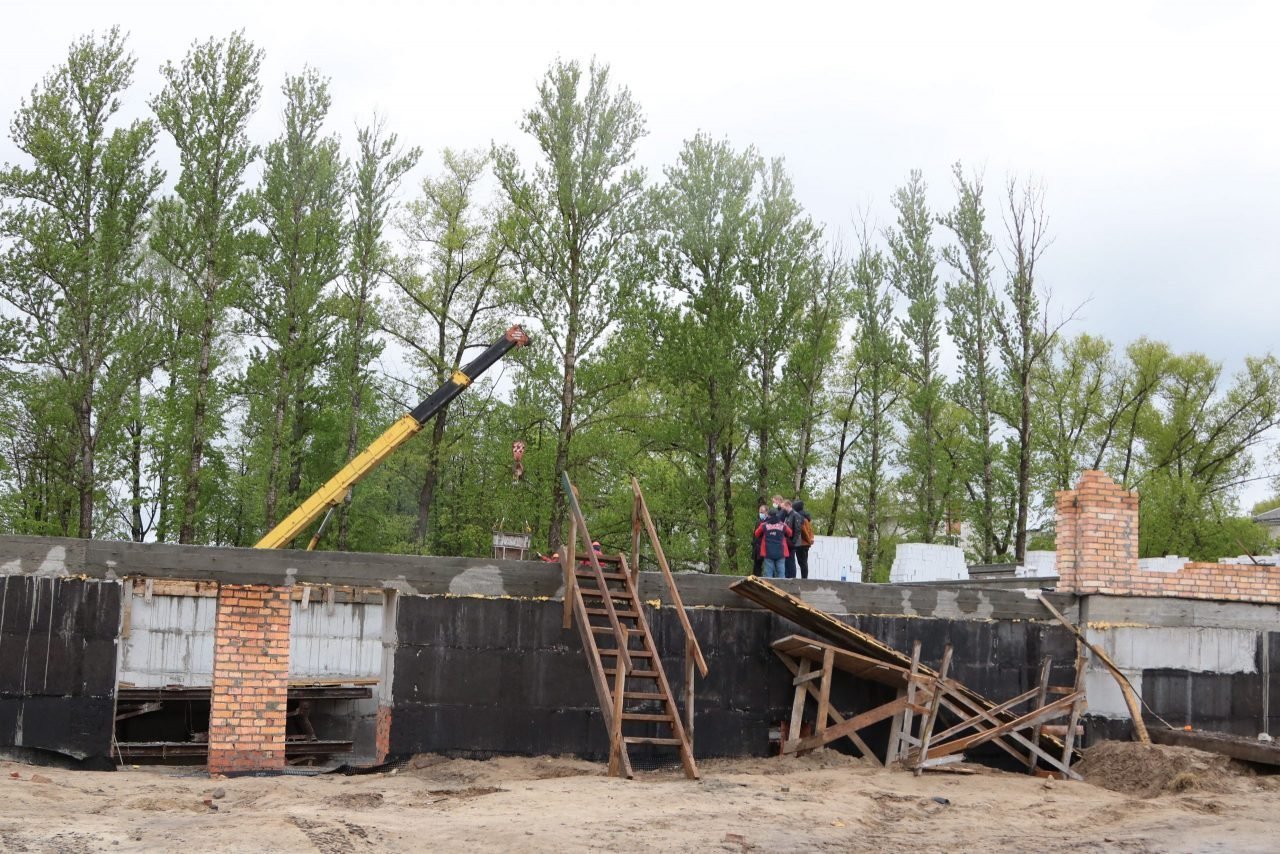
pixel 1147 770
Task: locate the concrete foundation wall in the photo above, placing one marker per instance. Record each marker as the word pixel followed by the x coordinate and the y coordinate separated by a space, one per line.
pixel 1209 665
pixel 478 676
pixel 58 666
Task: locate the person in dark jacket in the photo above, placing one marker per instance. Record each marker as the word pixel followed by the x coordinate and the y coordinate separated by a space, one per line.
pixel 757 562
pixel 793 520
pixel 775 545
pixel 798 545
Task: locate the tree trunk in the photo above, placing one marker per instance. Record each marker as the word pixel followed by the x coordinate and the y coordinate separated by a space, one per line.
pixel 277 443
pixel 564 435
pixel 353 419
pixel 191 486
pixel 713 511
pixel 85 417
pixel 427 495
pixel 762 462
pixel 730 529
pixel 1024 470
pixel 840 457
pixel 137 534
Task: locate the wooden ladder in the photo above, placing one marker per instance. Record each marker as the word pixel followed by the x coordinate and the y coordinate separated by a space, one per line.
pixel 635 696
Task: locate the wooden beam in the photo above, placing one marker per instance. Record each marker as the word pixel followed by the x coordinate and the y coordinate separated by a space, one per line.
pixel 1055 709
pixel 676 601
pixel 797 708
pixel 824 693
pixel 1247 749
pixel 836 716
pixel 853 724
pixel 1041 696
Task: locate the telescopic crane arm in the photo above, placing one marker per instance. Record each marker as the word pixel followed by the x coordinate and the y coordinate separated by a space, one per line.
pixel 335 491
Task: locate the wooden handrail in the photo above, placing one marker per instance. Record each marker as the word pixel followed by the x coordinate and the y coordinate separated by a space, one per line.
pixel 624 657
pixel 642 513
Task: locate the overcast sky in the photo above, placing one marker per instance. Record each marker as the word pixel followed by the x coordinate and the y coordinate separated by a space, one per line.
pixel 1154 126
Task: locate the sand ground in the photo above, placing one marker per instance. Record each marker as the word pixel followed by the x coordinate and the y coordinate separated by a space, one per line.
pixel 821 802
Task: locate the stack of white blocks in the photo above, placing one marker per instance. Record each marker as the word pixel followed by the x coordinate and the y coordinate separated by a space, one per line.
pixel 1038 564
pixel 835 559
pixel 928 562
pixel 1168 563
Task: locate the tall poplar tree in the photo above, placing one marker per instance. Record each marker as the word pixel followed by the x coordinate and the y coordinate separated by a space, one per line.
pixel 706 208
pixel 380 165
pixel 73 220
pixel 972 303
pixel 205 107
pixel 299 256
pixel 572 226
pixel 913 272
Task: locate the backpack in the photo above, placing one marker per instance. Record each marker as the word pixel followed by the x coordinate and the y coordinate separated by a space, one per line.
pixel 806 532
pixel 775 540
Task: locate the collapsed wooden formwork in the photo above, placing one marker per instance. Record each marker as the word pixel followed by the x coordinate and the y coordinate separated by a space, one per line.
pixel 933 718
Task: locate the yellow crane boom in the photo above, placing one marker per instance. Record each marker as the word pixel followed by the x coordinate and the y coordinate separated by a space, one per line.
pixel 335 491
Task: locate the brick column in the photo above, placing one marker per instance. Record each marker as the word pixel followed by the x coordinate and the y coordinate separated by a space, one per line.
pixel 250 679
pixel 382 738
pixel 1097 535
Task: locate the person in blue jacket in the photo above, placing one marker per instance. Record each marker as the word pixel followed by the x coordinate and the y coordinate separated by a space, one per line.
pixel 775 545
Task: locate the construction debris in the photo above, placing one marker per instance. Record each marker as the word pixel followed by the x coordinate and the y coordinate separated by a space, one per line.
pixel 921 692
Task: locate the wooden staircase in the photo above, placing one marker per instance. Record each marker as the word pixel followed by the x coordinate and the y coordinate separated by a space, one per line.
pixel 635 696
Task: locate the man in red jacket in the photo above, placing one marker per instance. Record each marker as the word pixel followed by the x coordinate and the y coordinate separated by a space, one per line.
pixel 775 545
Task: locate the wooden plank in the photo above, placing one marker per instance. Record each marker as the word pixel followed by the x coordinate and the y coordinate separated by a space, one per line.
pixel 1130 696
pixel 689 664
pixel 1055 709
pixel 570 580
pixel 1041 695
pixel 1237 747
pixel 904 731
pixel 811 676
pixel 635 536
pixel 1069 737
pixel 989 715
pixel 824 694
pixel 672 590
pixel 853 724
pixel 576 511
pixel 797 707
pixel 935 703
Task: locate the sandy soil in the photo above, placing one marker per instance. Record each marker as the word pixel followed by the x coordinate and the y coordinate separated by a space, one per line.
pixel 821 802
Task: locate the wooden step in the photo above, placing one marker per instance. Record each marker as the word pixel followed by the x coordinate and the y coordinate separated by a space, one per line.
pixel 640 739
pixel 644 695
pixel 642 716
pixel 616 576
pixel 599 594
pixel 634 674
pixel 601 612
pixel 634 653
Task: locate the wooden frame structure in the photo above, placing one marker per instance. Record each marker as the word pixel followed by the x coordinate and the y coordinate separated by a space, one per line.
pixel 916 712
pixel 639 693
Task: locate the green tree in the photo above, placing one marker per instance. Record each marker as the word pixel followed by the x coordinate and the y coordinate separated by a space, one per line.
pixel 913 272
pixel 299 256
pixel 1025 335
pixel 451 290
pixel 783 244
pixel 972 305
pixel 379 168
pixel 73 221
pixel 706 207
pixel 874 374
pixel 572 227
pixel 205 106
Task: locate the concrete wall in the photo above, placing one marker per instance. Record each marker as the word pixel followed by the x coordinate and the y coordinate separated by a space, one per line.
pixel 479 675
pixel 1209 665
pixel 57 666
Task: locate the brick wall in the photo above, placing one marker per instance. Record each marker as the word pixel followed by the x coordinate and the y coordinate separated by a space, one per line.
pixel 1097 542
pixel 250 679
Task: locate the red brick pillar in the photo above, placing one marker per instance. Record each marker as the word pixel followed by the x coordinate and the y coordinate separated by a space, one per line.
pixel 1097 535
pixel 250 679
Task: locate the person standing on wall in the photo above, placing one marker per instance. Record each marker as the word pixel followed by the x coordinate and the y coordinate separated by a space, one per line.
pixel 757 560
pixel 793 520
pixel 803 538
pixel 775 545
